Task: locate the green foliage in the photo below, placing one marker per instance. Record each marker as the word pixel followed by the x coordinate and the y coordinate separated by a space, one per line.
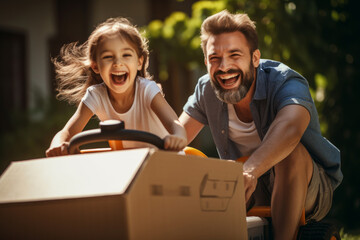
pixel 178 37
pixel 25 139
pixel 318 39
pixel 348 236
pixel 28 139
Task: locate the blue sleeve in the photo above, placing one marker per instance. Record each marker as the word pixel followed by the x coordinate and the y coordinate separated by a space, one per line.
pixel 195 106
pixel 294 91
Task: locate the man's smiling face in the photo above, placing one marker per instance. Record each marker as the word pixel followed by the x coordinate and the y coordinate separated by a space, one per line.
pixel 230 65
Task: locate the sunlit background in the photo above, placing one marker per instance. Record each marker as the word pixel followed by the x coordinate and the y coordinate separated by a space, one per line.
pixel 317 38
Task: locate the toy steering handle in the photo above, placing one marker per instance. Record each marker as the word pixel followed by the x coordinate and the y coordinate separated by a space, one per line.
pixel 112 130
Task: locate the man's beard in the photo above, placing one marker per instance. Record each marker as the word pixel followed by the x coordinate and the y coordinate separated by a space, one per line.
pixel 233 96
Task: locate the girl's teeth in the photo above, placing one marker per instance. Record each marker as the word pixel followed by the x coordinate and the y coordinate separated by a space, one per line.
pixel 119 78
pixel 118 74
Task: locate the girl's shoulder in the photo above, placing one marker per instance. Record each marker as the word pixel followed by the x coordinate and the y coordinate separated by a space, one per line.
pixel 97 88
pixel 95 91
pixel 94 94
pixel 145 83
pixel 147 87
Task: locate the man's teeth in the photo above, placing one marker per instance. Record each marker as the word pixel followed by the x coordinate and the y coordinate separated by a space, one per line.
pixel 228 76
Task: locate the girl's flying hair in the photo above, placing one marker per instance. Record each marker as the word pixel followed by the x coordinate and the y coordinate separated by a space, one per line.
pixel 73 66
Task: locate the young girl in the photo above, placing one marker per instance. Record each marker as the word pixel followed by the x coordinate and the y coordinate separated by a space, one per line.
pixel 107 77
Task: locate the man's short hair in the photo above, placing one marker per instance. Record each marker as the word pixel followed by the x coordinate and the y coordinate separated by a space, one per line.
pixel 225 22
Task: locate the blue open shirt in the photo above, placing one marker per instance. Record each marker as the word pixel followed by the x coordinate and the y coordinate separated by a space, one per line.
pixel 276 86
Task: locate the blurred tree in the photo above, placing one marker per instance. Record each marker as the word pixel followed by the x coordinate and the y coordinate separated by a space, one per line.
pixel 176 50
pixel 319 39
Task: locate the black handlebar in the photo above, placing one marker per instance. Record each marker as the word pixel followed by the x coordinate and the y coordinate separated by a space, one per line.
pixel 112 130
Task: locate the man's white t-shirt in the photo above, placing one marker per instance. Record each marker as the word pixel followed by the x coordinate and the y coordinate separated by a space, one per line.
pixel 140 115
pixel 244 135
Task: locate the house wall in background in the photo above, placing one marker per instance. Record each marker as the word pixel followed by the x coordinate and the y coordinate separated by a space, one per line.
pixel 34 19
pixel 137 11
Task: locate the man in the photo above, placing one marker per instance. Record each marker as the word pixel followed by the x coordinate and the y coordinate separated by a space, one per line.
pixel 264 110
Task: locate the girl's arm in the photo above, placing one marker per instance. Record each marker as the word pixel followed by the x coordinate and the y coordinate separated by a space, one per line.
pixel 191 125
pixel 76 124
pixel 177 140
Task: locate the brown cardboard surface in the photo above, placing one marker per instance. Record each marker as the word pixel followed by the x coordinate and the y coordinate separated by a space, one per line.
pixel 168 199
pixel 82 175
pixel 132 194
pixel 95 218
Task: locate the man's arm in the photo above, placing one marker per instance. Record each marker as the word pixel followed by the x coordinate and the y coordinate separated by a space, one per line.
pixel 281 139
pixel 192 126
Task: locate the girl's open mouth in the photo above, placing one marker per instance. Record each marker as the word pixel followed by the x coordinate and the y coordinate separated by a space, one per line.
pixel 119 78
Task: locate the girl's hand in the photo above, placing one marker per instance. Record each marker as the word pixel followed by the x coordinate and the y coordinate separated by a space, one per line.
pixel 174 143
pixel 58 150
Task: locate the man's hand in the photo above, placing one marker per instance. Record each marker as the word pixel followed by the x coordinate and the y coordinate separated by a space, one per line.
pixel 250 182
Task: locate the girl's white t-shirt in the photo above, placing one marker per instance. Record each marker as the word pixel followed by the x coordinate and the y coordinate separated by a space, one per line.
pixel 244 135
pixel 140 115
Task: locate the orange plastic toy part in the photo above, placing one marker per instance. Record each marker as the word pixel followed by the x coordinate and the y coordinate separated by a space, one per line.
pixel 116 144
pixel 260 211
pixel 302 219
pixel 194 151
pixel 242 159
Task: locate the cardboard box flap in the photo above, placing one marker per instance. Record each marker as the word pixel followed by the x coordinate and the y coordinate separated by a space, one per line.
pixel 82 175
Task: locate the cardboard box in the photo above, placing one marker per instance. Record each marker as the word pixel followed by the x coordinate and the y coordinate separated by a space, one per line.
pixel 132 194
